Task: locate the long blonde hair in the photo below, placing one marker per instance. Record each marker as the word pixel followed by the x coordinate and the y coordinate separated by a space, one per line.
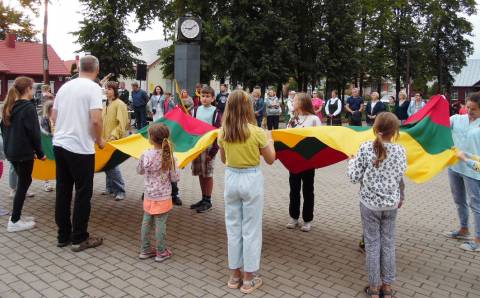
pixel 158 134
pixel 386 126
pixel 19 88
pixel 238 114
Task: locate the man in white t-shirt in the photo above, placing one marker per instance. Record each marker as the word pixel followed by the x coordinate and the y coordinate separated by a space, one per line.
pixel 77 113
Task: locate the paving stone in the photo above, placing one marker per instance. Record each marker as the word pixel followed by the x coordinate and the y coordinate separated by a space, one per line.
pixel 322 263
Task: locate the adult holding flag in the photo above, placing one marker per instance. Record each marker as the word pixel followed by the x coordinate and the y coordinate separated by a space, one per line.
pixel 77 113
pixel 465 181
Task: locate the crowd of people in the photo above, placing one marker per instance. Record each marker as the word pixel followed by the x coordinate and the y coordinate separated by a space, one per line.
pixel 78 122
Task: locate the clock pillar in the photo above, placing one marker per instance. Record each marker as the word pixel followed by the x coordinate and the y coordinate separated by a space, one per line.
pixel 187 65
pixel 187 52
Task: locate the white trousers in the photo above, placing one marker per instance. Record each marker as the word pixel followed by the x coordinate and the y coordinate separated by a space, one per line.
pixel 243 217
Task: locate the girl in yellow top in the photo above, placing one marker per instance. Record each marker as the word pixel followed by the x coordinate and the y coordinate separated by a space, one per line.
pixel 241 143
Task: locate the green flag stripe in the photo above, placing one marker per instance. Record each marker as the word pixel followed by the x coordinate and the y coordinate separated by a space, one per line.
pixel 183 140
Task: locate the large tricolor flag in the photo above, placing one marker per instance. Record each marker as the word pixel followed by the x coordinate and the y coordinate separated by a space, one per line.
pixel 426 136
pixel 189 136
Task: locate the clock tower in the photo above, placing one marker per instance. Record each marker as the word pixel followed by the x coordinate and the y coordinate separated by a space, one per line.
pixel 187 52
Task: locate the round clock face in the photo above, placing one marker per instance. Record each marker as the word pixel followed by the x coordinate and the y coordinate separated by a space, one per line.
pixel 190 29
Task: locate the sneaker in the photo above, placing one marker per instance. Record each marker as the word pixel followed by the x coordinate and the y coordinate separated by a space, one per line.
pixel 197 204
pixel 106 192
pixel 205 206
pixel 147 255
pixel 63 243
pixel 307 226
pixel 28 218
pixel 166 254
pixel 292 224
pixel 4 212
pixel 120 197
pixel 19 226
pixel 176 201
pixel 47 187
pixel 28 195
pixel 471 246
pixel 457 235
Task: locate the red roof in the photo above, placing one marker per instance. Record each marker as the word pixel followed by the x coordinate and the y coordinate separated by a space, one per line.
pixel 27 59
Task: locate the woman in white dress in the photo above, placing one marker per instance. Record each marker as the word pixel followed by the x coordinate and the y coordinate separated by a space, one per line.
pixel 157 111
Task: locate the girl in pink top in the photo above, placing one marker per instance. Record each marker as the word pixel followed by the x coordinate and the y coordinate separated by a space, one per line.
pixel 318 104
pixel 160 170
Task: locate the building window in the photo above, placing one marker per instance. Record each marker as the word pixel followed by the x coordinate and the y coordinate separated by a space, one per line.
pixel 454 93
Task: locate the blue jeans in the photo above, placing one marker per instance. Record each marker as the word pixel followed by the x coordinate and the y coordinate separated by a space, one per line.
pixel 114 180
pixel 12 177
pixel 466 193
pixel 243 217
pixel 259 121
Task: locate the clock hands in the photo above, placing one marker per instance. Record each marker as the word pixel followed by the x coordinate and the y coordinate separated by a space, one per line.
pixel 190 28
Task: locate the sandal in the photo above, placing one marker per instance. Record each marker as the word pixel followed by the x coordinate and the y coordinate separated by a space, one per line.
pixel 251 285
pixel 390 293
pixel 234 282
pixel 91 242
pixel 371 292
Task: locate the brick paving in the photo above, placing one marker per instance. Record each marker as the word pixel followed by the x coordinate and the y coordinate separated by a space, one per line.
pixel 322 263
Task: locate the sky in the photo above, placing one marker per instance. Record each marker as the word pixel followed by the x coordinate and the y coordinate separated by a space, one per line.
pixel 65 15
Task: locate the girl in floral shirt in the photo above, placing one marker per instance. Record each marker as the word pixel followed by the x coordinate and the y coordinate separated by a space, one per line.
pixel 160 170
pixel 379 168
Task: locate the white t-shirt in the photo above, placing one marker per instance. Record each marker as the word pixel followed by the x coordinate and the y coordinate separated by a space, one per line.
pixel 304 121
pixel 75 99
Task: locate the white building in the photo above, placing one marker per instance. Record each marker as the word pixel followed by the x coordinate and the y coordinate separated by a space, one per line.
pixel 155 76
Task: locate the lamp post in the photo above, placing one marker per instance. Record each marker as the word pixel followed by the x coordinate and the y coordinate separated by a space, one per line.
pixel 45 47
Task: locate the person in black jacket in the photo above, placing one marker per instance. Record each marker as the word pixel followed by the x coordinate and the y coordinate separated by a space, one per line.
pixel 402 107
pixel 21 140
pixel 374 107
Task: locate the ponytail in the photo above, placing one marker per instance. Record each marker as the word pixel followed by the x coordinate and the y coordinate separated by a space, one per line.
pixel 8 106
pixel 386 127
pixel 380 150
pixel 168 162
pixel 19 88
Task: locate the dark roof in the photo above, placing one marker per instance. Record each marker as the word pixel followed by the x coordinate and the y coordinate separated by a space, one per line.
pixel 26 58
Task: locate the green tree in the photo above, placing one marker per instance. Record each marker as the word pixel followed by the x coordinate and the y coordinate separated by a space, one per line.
pixel 341 42
pixel 308 19
pixel 17 21
pixel 103 34
pixel 167 61
pixel 446 29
